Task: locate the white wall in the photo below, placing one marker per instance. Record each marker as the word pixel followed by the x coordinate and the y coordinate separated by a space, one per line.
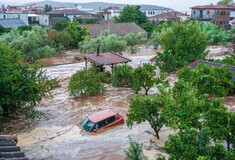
pixel 44 20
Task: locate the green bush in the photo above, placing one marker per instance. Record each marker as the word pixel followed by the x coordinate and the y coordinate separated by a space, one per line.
pixel 106 42
pixel 33 44
pixel 209 79
pixel 60 26
pixel 134 151
pixel 84 83
pixel 122 75
pixel 215 34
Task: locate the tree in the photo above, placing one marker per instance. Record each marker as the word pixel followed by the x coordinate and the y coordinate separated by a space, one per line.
pixel 222 2
pixel 47 8
pixel 60 26
pixel 131 14
pixel 187 108
pixel 107 42
pixel 134 151
pixel 3 30
pixel 148 27
pixel 209 79
pixel 154 39
pixel 148 108
pixel 76 32
pixel 22 86
pixel 122 75
pixel 84 83
pixel 215 34
pixel 144 77
pixel 91 21
pixel 182 43
pixel 32 43
pixel 133 40
pixel 222 125
pixel 195 145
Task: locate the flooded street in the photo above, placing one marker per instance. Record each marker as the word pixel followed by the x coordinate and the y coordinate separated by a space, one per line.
pixel 60 136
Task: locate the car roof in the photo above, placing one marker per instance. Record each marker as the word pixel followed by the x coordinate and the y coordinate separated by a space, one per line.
pixel 102 115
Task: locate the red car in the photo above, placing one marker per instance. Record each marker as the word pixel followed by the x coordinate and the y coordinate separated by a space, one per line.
pixel 100 120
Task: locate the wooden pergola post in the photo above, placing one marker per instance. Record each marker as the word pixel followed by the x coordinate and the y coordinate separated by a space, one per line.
pixel 112 68
pixel 86 63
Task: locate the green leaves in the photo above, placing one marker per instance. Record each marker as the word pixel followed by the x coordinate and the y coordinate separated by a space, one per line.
pixel 182 43
pixel 32 43
pixel 22 86
pixel 209 79
pixel 108 42
pixel 123 75
pixel 134 151
pixel 84 83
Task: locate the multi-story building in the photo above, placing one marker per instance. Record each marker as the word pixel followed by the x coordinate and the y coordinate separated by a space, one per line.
pixel 154 10
pixel 217 14
pixel 114 11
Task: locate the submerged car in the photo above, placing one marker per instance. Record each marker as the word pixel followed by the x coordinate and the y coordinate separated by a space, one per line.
pixel 101 120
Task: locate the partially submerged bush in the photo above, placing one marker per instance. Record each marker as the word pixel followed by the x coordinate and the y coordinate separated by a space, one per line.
pixel 122 75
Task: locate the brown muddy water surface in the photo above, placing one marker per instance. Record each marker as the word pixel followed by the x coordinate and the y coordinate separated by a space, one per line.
pixel 60 136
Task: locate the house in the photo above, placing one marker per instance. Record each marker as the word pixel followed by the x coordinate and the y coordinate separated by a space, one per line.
pixel 114 11
pixel 66 14
pixel 121 29
pixel 195 63
pixel 183 16
pixel 154 10
pixel 12 20
pixel 163 17
pixel 217 14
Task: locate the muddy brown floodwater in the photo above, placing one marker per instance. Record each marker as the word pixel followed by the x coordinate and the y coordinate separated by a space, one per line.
pixel 60 136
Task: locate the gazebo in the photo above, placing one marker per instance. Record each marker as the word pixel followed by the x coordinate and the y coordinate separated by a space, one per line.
pixel 109 58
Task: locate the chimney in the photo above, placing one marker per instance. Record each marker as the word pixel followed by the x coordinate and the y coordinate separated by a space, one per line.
pixel 98 50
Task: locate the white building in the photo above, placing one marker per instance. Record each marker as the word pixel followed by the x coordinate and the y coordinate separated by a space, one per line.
pixel 114 11
pixel 22 16
pixel 154 10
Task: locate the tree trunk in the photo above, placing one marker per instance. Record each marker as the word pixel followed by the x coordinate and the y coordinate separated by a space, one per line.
pixel 157 135
pixel 146 91
pixel 5 109
pixel 228 144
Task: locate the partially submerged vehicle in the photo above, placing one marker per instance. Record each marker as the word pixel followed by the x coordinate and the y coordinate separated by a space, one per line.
pixel 101 120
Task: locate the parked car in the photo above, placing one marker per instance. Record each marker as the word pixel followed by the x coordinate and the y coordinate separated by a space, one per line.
pixel 101 120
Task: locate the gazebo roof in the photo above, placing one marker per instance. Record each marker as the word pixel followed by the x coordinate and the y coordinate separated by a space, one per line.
pixel 109 58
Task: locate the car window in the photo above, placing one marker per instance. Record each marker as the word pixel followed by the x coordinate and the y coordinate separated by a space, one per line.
pixel 100 124
pixel 110 120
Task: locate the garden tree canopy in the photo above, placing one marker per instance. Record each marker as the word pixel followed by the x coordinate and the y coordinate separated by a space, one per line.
pixel 215 34
pixel 132 13
pixel 182 43
pixel 225 2
pixel 133 40
pixel 147 108
pixel 33 43
pixel 144 77
pixel 195 145
pixel 76 32
pixel 22 86
pixel 47 8
pixel 209 79
pixel 122 75
pixel 107 42
pixel 84 83
pixel 60 26
pixel 222 125
pixel 187 107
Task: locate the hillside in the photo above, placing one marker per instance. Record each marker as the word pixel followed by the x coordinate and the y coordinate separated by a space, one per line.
pixel 95 5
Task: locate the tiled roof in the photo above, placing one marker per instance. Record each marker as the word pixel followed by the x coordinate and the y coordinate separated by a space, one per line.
pixel 195 63
pixel 108 58
pixel 9 150
pixel 230 7
pixel 69 11
pixel 151 7
pixel 11 23
pixel 111 8
pixel 176 13
pixel 121 29
pixel 164 16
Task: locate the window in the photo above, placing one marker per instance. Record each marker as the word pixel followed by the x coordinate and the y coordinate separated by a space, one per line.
pixel 223 13
pixel 110 120
pixel 153 12
pixel 208 12
pixel 45 20
pixel 148 13
pixel 194 12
